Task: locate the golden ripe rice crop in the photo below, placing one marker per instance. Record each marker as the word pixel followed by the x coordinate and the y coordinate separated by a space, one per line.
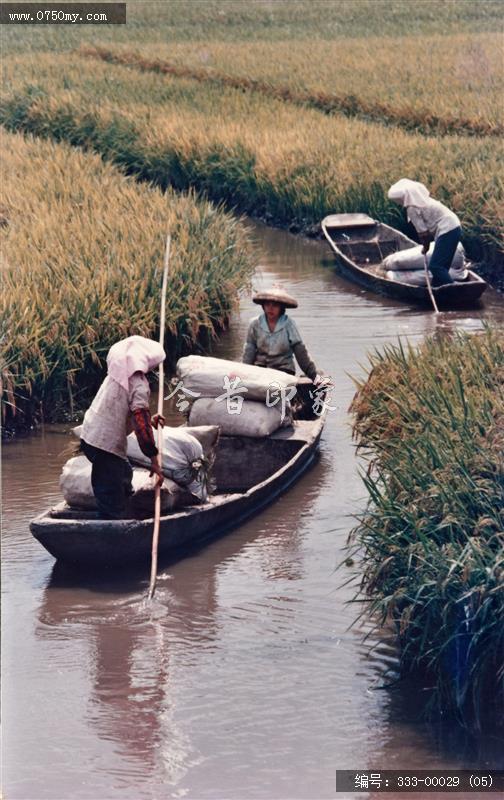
pixel 451 82
pixel 82 252
pixel 261 155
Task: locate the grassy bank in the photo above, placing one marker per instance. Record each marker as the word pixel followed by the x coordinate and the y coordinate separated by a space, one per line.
pixel 288 165
pixel 82 247
pixel 431 545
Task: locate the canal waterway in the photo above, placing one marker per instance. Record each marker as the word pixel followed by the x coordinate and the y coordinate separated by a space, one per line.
pixel 244 678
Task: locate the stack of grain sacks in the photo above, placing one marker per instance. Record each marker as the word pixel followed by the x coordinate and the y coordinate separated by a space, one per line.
pixel 243 400
pixel 186 460
pixel 407 266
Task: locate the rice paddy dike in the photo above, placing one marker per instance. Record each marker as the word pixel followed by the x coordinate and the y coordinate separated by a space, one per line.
pixel 267 141
pixel 83 249
pixel 430 547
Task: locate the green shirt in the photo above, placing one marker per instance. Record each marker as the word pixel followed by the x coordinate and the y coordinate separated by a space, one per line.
pixel 276 349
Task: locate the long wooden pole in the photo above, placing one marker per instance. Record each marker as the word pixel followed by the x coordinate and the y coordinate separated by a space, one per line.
pixel 429 287
pixel 157 501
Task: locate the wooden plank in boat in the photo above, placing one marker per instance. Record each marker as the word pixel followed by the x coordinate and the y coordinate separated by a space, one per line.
pixel 348 221
pixel 301 431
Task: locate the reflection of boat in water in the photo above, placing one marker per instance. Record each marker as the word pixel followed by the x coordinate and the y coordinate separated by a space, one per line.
pixel 249 473
pixel 360 244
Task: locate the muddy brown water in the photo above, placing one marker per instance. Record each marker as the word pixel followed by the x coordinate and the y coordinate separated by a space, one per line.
pixel 243 678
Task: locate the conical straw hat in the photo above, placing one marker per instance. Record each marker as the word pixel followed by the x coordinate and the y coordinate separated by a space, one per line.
pixel 277 295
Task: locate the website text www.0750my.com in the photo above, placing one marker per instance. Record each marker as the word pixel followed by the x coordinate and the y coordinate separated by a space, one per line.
pixel 63 13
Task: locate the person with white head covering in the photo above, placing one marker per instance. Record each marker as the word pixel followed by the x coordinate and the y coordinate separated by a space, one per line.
pixel 432 221
pixel 273 339
pixel 122 403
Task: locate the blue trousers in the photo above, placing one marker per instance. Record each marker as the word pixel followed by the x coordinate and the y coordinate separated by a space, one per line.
pixel 110 479
pixel 442 257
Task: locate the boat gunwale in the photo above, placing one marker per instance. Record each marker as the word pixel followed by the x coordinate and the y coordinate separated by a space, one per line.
pixel 391 287
pixel 120 526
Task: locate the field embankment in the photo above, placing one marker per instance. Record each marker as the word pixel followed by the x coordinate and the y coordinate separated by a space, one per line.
pixel 431 544
pixel 82 251
pixel 288 165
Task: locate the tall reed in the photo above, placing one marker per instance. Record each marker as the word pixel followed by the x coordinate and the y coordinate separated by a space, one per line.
pixel 430 548
pixel 82 247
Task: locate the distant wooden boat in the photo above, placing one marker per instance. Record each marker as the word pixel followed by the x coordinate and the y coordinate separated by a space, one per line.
pixel 360 244
pixel 249 473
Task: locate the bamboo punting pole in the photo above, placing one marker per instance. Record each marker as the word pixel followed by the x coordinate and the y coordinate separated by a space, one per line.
pixel 157 501
pixel 429 287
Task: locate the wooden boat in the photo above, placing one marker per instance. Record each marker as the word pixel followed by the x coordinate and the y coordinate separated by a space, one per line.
pixel 360 244
pixel 249 474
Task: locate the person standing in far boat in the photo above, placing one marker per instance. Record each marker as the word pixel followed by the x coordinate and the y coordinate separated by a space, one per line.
pixel 122 402
pixel 273 339
pixel 432 221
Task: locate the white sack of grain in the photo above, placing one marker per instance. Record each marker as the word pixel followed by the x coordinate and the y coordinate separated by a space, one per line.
pixel 75 485
pixel 255 418
pixel 173 496
pixel 412 259
pixel 213 377
pixel 417 278
pixel 182 458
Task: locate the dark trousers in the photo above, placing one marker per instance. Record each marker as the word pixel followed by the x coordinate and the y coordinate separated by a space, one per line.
pixel 110 479
pixel 442 257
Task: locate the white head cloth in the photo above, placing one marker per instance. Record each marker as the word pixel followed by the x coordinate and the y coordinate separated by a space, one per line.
pixel 134 354
pixel 409 193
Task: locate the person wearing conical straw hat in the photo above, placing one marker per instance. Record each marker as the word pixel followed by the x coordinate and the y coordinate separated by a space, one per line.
pixel 122 403
pixel 432 221
pixel 273 339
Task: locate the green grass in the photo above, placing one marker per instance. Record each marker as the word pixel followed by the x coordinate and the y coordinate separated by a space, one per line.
pixel 430 547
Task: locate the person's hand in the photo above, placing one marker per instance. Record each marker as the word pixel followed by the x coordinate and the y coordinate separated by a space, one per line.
pixel 158 419
pixel 156 470
pixel 323 381
pixel 425 242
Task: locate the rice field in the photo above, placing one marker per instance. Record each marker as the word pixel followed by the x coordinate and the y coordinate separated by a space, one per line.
pixel 82 253
pixel 435 84
pixel 264 20
pixel 260 155
pixel 430 547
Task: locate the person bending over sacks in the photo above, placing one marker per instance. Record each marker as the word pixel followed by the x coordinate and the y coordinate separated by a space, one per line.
pixel 432 221
pixel 122 402
pixel 273 339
